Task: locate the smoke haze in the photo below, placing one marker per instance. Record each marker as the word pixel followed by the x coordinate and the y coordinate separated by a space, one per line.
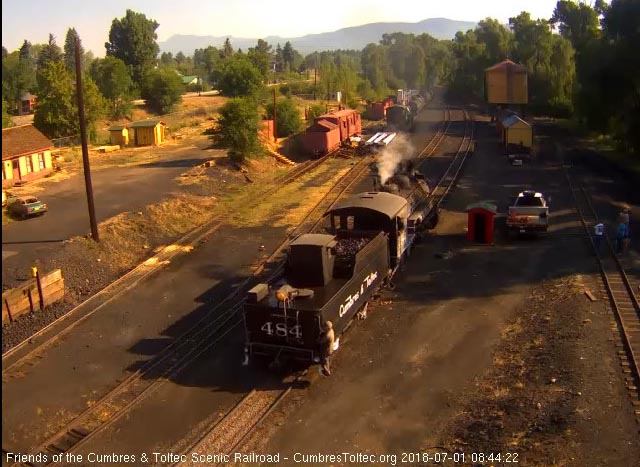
pixel 400 149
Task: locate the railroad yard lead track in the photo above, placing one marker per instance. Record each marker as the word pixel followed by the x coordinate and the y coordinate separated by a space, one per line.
pixel 229 433
pixel 209 330
pixel 623 300
pixel 12 361
pixel 189 346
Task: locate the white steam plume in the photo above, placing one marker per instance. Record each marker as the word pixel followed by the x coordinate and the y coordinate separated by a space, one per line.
pixel 400 149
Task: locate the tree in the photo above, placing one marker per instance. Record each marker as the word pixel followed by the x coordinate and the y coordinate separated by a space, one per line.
pixel 54 114
pixel 112 78
pixel 260 57
pixel 239 125
pixel 162 88
pixel 288 119
pixel 6 119
pixel 227 50
pixel 166 59
pixel 132 39
pixel 288 55
pixel 578 23
pixel 70 51
pixel 94 107
pixel 50 52
pixel 239 78
pixel 209 62
pixel 279 59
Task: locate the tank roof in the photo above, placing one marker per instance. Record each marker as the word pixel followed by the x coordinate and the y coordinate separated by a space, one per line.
pixel 505 64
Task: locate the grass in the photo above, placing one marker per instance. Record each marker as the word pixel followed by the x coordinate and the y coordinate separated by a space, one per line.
pixel 126 239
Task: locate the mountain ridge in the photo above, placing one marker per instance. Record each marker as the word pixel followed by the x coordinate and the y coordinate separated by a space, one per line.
pixel 352 37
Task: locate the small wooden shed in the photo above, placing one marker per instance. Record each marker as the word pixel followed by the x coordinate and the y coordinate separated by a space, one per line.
pixel 506 83
pixel 517 132
pixel 119 135
pixel 149 132
pixel 480 220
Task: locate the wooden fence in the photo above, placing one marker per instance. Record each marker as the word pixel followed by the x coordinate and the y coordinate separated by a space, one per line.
pixel 34 295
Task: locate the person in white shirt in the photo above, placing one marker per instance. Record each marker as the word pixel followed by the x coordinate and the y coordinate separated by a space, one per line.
pixel 599 234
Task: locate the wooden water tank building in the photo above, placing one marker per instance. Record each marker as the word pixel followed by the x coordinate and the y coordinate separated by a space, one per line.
pixel 119 135
pixel 149 132
pixel 506 83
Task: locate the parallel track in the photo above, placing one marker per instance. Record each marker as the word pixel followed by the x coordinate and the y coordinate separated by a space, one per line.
pixel 126 282
pixel 198 339
pixel 229 433
pixel 622 297
pixel 451 175
pixel 209 330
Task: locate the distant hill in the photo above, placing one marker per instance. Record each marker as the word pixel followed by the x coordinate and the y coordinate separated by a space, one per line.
pixel 356 37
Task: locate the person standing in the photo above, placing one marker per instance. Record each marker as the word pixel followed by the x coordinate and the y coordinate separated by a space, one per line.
pixel 627 217
pixel 621 235
pixel 598 236
pixel 327 339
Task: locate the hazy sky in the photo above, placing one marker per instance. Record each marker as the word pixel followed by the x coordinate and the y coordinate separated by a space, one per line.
pixel 35 19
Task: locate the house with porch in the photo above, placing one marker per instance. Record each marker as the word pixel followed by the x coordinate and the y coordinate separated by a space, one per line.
pixel 26 154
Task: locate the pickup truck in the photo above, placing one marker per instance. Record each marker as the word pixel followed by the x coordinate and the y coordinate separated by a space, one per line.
pixel 528 213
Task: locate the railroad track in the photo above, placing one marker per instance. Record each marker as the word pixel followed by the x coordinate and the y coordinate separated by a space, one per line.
pixel 435 141
pixel 201 337
pixel 229 433
pixel 15 360
pixel 622 298
pixel 213 327
pixel 451 175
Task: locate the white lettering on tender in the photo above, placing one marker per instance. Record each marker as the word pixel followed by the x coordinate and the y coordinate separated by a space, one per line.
pixel 353 298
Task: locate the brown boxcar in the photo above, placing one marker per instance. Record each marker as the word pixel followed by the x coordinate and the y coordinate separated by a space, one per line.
pixel 330 130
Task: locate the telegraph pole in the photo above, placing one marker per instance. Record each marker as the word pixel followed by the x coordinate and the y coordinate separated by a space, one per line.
pixel 85 149
pixel 275 135
pixel 315 77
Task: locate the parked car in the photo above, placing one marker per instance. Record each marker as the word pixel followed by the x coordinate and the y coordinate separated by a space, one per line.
pixel 26 206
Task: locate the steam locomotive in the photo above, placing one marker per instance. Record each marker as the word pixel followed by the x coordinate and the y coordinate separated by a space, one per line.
pixel 400 117
pixel 331 276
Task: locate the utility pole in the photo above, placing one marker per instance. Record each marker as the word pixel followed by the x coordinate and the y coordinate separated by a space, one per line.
pixel 315 78
pixel 85 149
pixel 275 111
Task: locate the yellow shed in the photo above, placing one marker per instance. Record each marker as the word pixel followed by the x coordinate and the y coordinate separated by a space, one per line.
pixel 517 132
pixel 119 134
pixel 506 83
pixel 149 132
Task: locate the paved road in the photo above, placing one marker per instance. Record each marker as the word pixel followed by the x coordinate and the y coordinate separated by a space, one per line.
pixel 116 190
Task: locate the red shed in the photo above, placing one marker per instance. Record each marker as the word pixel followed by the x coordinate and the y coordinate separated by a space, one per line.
pixel 480 221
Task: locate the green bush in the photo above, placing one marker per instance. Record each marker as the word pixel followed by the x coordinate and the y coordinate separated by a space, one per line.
pixel 239 124
pixel 288 120
pixel 315 111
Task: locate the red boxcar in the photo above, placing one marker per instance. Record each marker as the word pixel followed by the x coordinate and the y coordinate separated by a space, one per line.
pixel 331 130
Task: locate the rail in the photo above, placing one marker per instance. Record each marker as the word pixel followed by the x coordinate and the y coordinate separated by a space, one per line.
pixel 207 332
pixel 623 300
pixel 229 433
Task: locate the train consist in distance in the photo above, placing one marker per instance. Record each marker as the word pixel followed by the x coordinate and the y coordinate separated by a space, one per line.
pixel 331 276
pixel 401 116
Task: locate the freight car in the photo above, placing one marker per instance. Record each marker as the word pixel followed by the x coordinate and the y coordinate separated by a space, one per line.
pixel 330 277
pixel 331 130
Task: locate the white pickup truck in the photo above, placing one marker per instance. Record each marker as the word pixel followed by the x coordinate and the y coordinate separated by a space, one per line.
pixel 528 213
